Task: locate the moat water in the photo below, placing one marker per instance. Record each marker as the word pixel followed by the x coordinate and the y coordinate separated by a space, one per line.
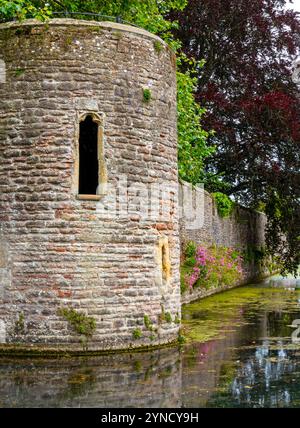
pixel 242 350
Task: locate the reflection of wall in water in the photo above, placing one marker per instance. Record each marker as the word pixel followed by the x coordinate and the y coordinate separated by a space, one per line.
pixel 265 374
pixel 211 365
pixel 139 380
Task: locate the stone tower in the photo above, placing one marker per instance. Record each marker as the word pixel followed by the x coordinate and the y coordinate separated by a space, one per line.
pixel 89 246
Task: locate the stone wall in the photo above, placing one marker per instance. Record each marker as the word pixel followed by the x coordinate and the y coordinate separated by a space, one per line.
pixel 201 223
pixel 58 250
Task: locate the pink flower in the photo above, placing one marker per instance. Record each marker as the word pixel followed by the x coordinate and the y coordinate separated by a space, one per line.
pixel 201 258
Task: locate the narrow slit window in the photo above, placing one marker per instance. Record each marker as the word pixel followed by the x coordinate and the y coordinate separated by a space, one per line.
pixel 88 157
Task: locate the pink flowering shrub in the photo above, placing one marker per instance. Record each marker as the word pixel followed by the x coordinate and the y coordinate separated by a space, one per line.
pixel 210 267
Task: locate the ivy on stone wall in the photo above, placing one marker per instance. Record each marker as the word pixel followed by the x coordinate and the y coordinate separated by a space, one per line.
pixel 224 204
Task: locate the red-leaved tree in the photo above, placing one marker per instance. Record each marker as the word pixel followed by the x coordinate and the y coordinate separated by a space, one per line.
pixel 253 106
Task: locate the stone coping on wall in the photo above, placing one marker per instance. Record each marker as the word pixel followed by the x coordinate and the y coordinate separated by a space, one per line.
pixel 201 188
pixel 201 293
pixel 65 22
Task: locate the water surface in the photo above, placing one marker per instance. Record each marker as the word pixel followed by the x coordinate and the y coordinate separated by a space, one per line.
pixel 240 352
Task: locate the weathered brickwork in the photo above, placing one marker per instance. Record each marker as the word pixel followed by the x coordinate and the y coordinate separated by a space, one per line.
pixel 243 228
pixel 56 250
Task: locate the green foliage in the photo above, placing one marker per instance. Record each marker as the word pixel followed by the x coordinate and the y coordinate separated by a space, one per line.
pixel 137 366
pixel 164 316
pixel 190 261
pixel 192 139
pixel 137 333
pixel 185 270
pixel 81 323
pixel 22 9
pixel 283 228
pixel 254 254
pixel 256 137
pixel 190 253
pixel 147 95
pixel 225 205
pixel 261 257
pixel 273 264
pixel 148 323
pixel 213 267
pixel 19 72
pixel 177 319
pixel 20 324
pixel 158 46
pixel 181 338
pixel 168 317
pixel 235 254
pixel 190 249
pixel 261 207
pixel 148 14
pixel 151 15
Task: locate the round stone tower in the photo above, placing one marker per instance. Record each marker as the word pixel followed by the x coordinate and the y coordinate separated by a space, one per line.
pixel 89 246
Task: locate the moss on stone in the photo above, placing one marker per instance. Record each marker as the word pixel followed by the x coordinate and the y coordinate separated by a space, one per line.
pixel 137 333
pixel 168 317
pixel 158 46
pixel 148 323
pixel 81 323
pixel 147 95
pixel 20 324
pixel 19 72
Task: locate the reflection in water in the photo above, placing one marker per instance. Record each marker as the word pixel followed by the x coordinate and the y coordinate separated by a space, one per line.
pixel 139 380
pixel 239 353
pixel 260 381
pixel 289 282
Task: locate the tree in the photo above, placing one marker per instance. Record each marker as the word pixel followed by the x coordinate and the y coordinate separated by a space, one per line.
pixel 253 106
pixel 192 139
pixel 148 14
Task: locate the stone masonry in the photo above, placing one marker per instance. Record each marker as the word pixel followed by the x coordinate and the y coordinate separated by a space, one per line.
pixel 242 228
pixel 59 249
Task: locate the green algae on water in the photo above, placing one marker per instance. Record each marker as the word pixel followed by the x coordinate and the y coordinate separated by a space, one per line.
pixel 212 317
